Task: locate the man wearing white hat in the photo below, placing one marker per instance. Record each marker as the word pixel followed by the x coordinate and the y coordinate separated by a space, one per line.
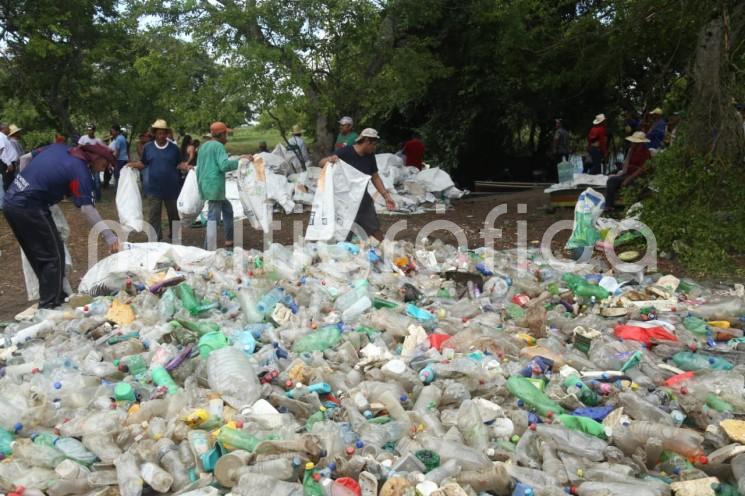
pixel 597 145
pixel 633 167
pixel 161 165
pixel 346 136
pixel 296 144
pixel 361 156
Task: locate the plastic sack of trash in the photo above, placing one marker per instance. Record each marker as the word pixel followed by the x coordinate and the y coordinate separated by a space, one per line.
pixel 189 203
pixel 589 206
pixel 32 282
pixel 252 191
pixel 337 200
pixel 129 200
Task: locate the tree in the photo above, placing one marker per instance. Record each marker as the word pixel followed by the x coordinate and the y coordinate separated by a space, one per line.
pixel 50 51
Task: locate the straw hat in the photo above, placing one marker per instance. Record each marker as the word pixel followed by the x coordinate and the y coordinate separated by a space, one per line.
pixel 638 137
pixel 368 133
pixel 296 129
pixel 160 124
pixel 656 111
pixel 598 119
pixel 13 129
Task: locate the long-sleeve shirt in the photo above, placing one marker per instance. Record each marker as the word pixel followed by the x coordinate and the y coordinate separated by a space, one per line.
pixel 212 164
pixel 656 135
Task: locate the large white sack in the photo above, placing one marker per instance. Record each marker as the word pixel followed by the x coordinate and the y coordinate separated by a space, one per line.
pixel 390 169
pixel 129 200
pixel 434 179
pixel 338 196
pixel 276 163
pixel 143 258
pixel 296 164
pixel 189 203
pixel 32 282
pixel 252 192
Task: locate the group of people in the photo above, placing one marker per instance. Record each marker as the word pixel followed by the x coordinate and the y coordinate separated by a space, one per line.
pixel 57 171
pixel 643 138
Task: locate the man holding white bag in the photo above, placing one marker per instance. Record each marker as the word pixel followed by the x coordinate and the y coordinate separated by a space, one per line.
pixel 161 164
pixel 361 156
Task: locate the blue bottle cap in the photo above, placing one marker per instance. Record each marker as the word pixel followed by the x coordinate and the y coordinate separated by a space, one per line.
pixel 18 427
pixel 359 444
pixel 403 398
pixel 332 466
pixel 57 385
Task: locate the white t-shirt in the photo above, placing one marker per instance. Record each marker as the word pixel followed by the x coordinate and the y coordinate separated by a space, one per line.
pixel 87 140
pixel 8 153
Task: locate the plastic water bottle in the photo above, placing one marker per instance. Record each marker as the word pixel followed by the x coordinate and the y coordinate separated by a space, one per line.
pixel 161 377
pixel 156 477
pixel 169 458
pixel 230 373
pixel 267 302
pixel 128 475
pixel 75 450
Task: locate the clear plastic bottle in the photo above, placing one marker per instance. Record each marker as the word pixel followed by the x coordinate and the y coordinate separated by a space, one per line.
pixel 738 470
pixel 36 455
pixel 472 427
pixel 231 374
pixel 639 409
pixel 253 483
pixel 103 446
pixel 75 450
pixel 128 475
pixel 171 461
pixel 156 477
pixel 446 470
pixel 495 479
pixel 687 442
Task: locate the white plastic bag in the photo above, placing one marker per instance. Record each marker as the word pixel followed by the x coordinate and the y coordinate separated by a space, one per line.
pixel 32 282
pixel 253 195
pixel 189 203
pixel 129 200
pixel 590 205
pixel 338 196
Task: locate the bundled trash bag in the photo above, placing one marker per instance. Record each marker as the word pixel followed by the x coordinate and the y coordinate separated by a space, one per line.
pixel 189 202
pixel 129 200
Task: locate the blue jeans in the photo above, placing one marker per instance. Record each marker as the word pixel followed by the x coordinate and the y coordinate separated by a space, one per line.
pixel 215 208
pixel 97 185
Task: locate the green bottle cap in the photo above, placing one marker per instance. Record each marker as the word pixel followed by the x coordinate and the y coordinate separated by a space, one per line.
pixel 124 391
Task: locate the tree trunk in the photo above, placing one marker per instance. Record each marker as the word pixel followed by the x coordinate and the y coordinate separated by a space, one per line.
pixel 713 124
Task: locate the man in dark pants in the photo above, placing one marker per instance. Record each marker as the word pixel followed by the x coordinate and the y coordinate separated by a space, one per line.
pixel 361 156
pixel 161 165
pixel 57 171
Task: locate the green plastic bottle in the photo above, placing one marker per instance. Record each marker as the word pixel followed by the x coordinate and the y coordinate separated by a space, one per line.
pixel 189 300
pixel 696 325
pixel 320 340
pixel 515 311
pixel 6 439
pixel 212 341
pixel 311 487
pixel 44 439
pixel 715 402
pixel 581 287
pixel 136 364
pixel 201 327
pixel 687 360
pixel 522 388
pixel 319 416
pixel 583 424
pixel 237 439
pixel 381 303
pixel 585 394
pixel 161 377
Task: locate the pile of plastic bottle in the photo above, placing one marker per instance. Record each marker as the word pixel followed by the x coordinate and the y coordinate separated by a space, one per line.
pixel 341 370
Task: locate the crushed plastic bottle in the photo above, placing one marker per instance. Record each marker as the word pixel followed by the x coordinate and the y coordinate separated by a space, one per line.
pixel 337 370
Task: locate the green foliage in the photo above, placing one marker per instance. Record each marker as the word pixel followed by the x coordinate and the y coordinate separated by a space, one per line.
pixel 247 139
pixel 695 210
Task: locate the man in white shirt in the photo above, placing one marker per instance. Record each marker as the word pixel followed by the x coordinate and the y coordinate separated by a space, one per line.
pixel 8 156
pixel 90 137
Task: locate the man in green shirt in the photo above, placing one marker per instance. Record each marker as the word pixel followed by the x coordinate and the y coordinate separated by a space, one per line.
pixel 346 137
pixel 212 164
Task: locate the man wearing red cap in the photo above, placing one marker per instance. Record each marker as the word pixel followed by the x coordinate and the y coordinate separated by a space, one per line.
pixel 212 164
pixel 57 171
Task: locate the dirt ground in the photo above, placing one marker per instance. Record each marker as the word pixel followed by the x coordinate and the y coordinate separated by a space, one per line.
pixel 468 213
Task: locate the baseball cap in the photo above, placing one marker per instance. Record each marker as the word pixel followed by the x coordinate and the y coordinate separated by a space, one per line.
pixel 219 128
pixel 346 120
pixel 368 132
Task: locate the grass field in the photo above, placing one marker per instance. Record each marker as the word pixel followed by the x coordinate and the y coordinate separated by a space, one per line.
pixel 247 139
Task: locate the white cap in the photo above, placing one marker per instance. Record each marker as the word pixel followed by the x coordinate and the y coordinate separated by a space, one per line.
pixel 346 120
pixel 368 132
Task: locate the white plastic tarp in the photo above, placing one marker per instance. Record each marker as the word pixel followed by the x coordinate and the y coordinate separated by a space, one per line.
pixel 142 258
